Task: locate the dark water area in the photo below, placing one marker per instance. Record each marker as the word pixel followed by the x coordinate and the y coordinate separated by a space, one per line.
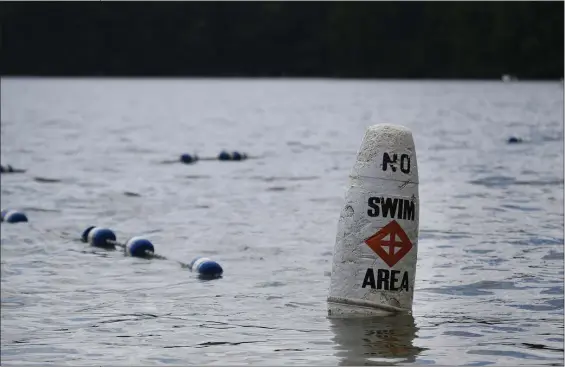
pixel 489 283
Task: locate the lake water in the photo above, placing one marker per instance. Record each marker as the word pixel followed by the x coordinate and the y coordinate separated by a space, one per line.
pixel 489 282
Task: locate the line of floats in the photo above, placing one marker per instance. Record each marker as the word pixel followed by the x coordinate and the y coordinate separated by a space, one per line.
pixel 143 248
pixel 137 246
pixel 186 158
pixel 223 156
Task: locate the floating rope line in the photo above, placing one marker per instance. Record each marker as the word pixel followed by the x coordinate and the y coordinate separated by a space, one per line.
pixel 135 246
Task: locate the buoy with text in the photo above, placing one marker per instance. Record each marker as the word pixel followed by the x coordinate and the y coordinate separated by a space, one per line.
pixel 376 248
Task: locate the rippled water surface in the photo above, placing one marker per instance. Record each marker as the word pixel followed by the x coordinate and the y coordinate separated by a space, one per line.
pixel 489 284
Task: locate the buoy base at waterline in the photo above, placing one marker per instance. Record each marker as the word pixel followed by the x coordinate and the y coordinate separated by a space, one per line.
pixel 338 308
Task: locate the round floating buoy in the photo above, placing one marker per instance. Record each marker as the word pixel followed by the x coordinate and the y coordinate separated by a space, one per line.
pixel 99 237
pixel 7 169
pixel 236 156
pixel 13 216
pixel 206 268
pixel 375 254
pixel 224 156
pixel 10 169
pixel 513 140
pixel 139 246
pixel 187 158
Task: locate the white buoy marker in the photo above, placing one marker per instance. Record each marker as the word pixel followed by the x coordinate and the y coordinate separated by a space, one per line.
pixel 376 249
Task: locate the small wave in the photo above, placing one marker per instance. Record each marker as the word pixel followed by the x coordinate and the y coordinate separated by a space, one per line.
pixel 552 138
pixel 500 181
pixel 550 305
pixel 302 145
pixel 196 177
pixel 448 235
pixel 493 181
pixel 40 210
pixel 540 183
pixel 137 149
pixel 211 344
pixel 46 180
pixel 539 241
pixel 541 346
pixel 478 251
pixel 481 288
pixel 505 353
pixel 10 302
pixel 287 269
pixel 481 195
pixel 553 255
pixel 127 317
pixel 456 146
pixel 553 290
pixel 271 284
pixel 465 334
pixel 521 208
pixel 280 178
pixel 277 188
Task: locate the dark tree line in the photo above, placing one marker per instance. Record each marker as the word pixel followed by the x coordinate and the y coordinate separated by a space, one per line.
pixel 460 39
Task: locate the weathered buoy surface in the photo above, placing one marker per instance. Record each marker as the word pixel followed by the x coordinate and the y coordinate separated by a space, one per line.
pixel 375 254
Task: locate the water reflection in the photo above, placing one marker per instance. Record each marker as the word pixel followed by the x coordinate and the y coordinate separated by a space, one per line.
pixel 375 341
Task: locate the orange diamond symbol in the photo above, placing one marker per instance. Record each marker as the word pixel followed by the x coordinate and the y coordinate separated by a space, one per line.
pixel 398 243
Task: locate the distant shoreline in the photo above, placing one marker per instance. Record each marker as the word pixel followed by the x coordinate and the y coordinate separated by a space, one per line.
pixel 244 77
